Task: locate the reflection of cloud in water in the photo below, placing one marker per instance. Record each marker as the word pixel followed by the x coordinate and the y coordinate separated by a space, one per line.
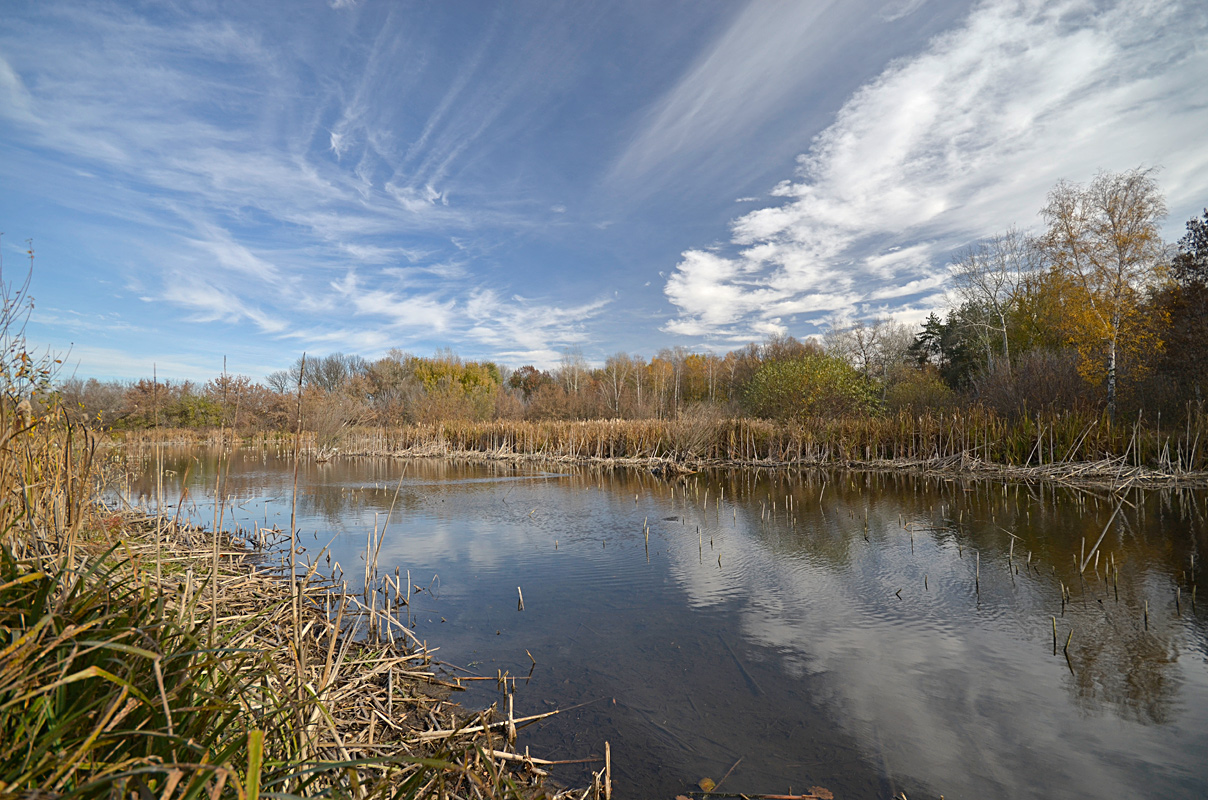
pixel 473 546
pixel 538 476
pixel 967 709
pixel 965 700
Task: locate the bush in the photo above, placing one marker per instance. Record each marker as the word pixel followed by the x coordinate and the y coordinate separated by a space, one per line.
pixel 917 391
pixel 1039 380
pixel 812 385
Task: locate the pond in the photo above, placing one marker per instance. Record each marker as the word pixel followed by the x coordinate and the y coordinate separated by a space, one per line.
pixel 870 633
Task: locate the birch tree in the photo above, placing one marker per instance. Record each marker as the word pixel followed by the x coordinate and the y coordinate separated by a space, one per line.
pixel 989 275
pixel 615 377
pixel 1105 236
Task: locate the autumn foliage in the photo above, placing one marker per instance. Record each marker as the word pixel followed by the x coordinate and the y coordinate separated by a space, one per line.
pixel 1093 315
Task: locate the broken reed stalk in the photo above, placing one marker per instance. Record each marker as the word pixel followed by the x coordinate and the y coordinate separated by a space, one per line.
pixel 607 771
pixel 346 715
pixel 295 600
pixel 1082 566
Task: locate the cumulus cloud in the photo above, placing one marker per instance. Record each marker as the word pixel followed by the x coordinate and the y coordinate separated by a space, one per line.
pixel 952 144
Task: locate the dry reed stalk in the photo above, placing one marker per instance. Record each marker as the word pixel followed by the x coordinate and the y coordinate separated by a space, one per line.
pixel 974 440
pixel 355 684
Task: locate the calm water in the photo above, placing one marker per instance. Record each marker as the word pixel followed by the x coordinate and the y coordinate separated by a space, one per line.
pixel 827 629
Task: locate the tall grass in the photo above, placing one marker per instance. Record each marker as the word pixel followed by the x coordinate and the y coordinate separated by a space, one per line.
pixel 137 660
pixel 975 436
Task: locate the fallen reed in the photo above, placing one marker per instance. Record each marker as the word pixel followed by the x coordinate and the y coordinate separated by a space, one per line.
pixel 114 684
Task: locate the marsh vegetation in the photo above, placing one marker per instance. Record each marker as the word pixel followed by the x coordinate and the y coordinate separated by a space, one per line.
pixel 1082 343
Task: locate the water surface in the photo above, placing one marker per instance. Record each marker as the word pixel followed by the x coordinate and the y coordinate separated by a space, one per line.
pixel 868 633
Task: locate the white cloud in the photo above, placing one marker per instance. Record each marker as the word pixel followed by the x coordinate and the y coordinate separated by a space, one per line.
pixel 13 94
pixel 953 144
pixel 766 55
pixel 513 328
pixel 401 310
pixel 231 255
pixel 339 143
pixel 210 303
pixel 255 191
pixel 417 200
pixel 527 331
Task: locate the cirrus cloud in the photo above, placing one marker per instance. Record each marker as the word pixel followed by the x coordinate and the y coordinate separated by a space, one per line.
pixel 950 145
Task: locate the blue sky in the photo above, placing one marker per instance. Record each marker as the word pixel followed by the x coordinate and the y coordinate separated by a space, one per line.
pixel 512 179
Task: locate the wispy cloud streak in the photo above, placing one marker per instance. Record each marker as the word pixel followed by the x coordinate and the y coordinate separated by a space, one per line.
pixel 950 145
pixel 263 195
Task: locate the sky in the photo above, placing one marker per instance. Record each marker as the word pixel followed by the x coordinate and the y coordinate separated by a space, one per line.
pixel 514 181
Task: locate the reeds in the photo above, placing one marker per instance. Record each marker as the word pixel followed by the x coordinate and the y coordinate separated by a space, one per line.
pixel 141 657
pixel 1067 446
pixel 111 684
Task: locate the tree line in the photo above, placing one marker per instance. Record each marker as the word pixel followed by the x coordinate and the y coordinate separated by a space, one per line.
pixel 1096 312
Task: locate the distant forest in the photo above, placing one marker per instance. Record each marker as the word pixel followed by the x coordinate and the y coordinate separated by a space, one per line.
pixel 1097 313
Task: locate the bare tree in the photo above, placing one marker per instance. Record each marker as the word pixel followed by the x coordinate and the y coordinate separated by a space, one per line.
pixel 573 370
pixel 713 365
pixel 872 348
pixel 616 373
pixel 989 276
pixel 282 380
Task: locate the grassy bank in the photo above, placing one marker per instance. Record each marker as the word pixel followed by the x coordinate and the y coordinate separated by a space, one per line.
pixel 1062 447
pixel 976 436
pixel 146 658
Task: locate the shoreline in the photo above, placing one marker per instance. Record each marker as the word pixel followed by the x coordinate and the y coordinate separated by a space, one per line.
pixel 1108 474
pixel 362 689
pixel 1112 473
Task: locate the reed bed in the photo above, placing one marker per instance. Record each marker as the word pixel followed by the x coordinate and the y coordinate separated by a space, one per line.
pixel 1065 447
pixel 117 684
pixel 142 657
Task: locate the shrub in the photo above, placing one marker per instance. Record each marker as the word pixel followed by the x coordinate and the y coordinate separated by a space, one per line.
pixel 812 385
pixel 917 391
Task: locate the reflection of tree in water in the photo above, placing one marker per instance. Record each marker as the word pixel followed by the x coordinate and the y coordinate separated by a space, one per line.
pixel 1131 672
pixel 1118 665
pixel 334 503
pixel 346 487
